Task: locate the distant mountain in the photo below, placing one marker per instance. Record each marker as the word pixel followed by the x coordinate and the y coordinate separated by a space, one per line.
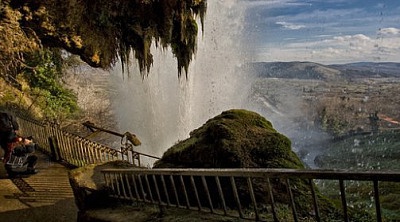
pixel 369 69
pixel 310 70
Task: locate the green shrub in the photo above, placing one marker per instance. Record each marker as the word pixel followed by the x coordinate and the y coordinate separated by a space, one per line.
pixel 44 78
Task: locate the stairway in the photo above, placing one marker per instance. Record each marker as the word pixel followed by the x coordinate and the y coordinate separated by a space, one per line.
pixel 45 196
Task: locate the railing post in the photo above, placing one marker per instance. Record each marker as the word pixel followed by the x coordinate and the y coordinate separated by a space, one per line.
pixel 316 208
pixel 377 202
pixel 236 196
pixel 344 202
pixel 221 194
pixel 54 149
pixel 292 202
pixel 207 193
pixel 123 189
pixel 253 198
pixel 271 197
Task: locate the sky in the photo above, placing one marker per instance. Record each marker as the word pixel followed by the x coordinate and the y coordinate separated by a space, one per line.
pixel 324 31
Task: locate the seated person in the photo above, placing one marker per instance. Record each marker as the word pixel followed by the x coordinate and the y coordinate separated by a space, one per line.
pixel 21 147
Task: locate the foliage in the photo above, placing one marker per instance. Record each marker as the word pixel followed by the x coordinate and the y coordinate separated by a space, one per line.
pixel 332 122
pixel 103 31
pixel 100 32
pixel 44 78
pixel 366 152
pixel 15 40
pixel 363 152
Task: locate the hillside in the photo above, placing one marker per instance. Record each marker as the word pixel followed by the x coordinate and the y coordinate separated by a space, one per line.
pixel 316 71
pixel 313 103
pixel 352 91
pixel 14 96
pixel 293 70
pixel 369 69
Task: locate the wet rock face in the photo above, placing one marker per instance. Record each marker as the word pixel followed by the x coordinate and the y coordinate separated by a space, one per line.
pixel 103 32
pixel 233 139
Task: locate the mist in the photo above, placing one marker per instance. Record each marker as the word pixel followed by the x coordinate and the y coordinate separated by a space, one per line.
pixel 162 109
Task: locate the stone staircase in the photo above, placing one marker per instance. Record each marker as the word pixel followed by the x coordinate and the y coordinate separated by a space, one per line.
pixel 45 196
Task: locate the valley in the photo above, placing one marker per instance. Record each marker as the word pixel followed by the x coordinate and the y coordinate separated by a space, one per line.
pixel 321 105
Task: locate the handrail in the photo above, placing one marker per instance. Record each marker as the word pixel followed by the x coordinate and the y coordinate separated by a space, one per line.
pixel 181 187
pixel 205 190
pixel 393 176
pixel 73 149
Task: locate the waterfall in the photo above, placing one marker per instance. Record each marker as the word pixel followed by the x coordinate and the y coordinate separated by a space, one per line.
pixel 162 109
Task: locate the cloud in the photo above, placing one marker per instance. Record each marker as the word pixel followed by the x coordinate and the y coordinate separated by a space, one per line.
pixel 290 26
pixel 358 38
pixel 274 3
pixel 389 31
pixel 335 49
pixel 328 30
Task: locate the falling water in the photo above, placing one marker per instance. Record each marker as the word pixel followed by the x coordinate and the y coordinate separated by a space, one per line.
pixel 162 109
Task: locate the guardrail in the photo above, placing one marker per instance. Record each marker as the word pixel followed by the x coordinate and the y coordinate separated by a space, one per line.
pixel 206 190
pixel 226 192
pixel 73 149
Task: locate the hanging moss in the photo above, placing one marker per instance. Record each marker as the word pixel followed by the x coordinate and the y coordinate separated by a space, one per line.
pixel 103 31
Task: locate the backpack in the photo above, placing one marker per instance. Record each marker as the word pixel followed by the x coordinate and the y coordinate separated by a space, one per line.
pixel 5 123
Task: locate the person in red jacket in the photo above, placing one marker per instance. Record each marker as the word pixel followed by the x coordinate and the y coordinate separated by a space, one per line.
pixel 23 148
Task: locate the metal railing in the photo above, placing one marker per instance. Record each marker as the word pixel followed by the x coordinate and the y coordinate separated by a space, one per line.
pixel 252 194
pixel 214 190
pixel 73 149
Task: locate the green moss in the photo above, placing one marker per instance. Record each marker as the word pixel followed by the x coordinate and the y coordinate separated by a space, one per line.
pixel 240 133
pixel 243 139
pixel 8 96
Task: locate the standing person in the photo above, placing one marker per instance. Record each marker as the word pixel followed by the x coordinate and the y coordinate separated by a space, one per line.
pixel 8 129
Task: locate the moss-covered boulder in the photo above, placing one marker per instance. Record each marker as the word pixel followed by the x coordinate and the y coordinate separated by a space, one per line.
pixel 233 139
pixel 244 139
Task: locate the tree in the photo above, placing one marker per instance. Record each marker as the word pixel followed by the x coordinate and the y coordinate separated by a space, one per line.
pixel 15 41
pixel 44 78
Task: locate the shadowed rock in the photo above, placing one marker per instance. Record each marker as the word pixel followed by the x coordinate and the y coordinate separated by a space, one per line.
pixel 89 188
